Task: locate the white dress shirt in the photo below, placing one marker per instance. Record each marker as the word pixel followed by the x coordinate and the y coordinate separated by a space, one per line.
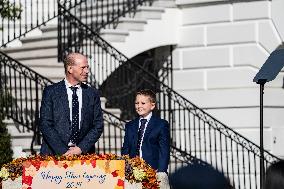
pixel 79 94
pixel 148 117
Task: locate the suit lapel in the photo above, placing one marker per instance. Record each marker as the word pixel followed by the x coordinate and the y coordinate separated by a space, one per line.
pixel 62 93
pixel 135 130
pixel 149 127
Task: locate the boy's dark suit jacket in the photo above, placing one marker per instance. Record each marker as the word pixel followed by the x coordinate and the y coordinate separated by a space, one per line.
pixel 55 124
pixel 155 145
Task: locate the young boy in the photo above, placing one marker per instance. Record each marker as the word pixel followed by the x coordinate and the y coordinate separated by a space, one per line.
pixel 148 136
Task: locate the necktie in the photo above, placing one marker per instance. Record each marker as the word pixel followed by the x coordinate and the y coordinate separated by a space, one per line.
pixel 140 134
pixel 75 116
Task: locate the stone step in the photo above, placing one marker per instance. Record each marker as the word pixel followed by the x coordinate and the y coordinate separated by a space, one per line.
pixel 15 128
pixel 88 12
pixel 23 139
pixel 51 72
pixel 48 62
pixel 48 28
pixel 149 12
pixel 34 54
pixel 164 3
pixel 114 35
pixel 39 38
pixel 134 24
pixel 32 46
pixel 102 4
pixel 44 44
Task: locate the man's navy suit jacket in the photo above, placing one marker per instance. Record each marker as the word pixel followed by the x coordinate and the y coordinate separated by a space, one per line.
pixel 55 124
pixel 155 145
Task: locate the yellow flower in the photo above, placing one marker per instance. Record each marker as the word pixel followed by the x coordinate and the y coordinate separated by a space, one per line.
pixel 4 174
pixel 139 174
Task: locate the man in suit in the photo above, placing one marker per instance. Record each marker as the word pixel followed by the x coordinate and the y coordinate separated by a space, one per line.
pixel 148 136
pixel 70 114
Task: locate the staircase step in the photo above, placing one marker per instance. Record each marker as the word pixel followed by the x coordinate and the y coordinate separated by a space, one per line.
pixel 48 62
pixel 164 3
pixel 149 12
pixel 98 13
pixel 50 71
pixel 48 28
pixel 135 24
pixel 101 4
pixel 114 35
pixel 39 38
pixel 23 139
pixel 25 47
pixel 15 128
pixel 34 54
pixel 48 43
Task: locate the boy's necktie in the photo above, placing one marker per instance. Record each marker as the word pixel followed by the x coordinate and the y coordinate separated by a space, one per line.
pixel 75 116
pixel 140 135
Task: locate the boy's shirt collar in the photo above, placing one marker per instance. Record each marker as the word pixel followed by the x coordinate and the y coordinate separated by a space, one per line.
pixel 148 117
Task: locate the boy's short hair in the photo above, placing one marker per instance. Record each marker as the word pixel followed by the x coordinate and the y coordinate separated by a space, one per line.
pixel 149 93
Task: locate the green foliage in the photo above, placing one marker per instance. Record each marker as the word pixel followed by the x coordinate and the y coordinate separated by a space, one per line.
pixel 9 10
pixel 6 152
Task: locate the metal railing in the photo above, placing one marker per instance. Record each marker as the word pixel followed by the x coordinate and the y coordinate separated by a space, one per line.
pixel 23 87
pixel 33 14
pixel 192 129
pixel 105 14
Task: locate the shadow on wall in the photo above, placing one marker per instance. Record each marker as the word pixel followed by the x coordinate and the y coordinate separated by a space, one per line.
pixel 197 176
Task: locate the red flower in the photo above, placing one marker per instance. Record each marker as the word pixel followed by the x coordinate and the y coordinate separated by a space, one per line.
pixel 82 162
pixel 36 164
pixel 120 182
pixel 65 166
pixel 114 173
pixel 93 162
pixel 27 180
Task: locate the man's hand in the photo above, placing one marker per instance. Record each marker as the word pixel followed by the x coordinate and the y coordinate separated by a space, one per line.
pixel 73 151
pixel 164 180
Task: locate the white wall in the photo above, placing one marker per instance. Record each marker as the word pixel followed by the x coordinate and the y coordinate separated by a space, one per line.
pixel 221 47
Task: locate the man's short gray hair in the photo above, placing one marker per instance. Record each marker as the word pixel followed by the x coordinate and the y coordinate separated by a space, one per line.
pixel 70 60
